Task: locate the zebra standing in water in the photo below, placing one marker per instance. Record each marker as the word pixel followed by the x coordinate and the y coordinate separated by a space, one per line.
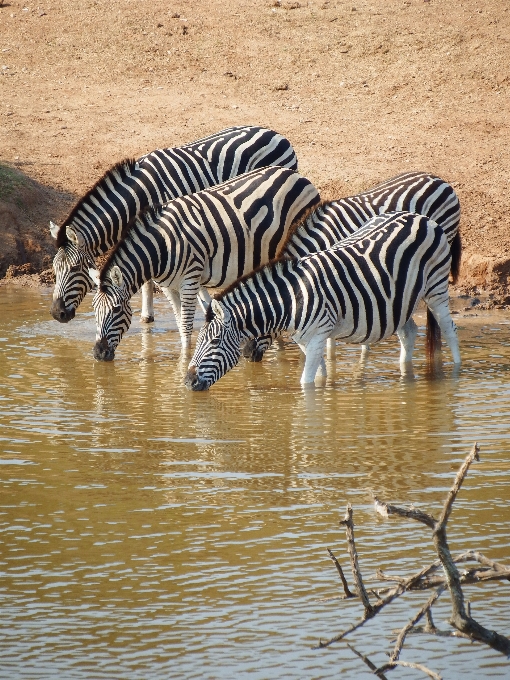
pixel 417 192
pixel 209 238
pixel 97 221
pixel 361 290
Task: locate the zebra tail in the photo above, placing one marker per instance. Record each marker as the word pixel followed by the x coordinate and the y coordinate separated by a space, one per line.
pixel 433 340
pixel 456 252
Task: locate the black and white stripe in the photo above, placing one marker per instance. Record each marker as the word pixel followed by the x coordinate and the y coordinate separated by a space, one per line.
pixel 361 290
pixel 417 192
pixel 205 239
pixel 97 221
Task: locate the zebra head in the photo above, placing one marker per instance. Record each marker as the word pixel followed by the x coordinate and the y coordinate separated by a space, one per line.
pixel 217 351
pixel 72 281
pixel 112 310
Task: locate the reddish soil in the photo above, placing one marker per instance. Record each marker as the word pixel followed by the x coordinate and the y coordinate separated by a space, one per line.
pixel 363 89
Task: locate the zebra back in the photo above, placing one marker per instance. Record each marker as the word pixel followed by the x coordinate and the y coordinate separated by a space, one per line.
pixel 231 229
pixel 416 192
pixel 101 215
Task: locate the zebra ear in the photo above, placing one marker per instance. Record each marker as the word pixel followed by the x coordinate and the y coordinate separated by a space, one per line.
pixel 116 276
pixel 75 237
pixel 54 229
pixel 220 310
pixel 94 275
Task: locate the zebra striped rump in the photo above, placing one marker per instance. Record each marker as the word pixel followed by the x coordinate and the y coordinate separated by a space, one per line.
pixel 99 219
pixel 361 290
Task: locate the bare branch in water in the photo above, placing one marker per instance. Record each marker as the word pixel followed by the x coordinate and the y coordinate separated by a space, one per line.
pixel 405 630
pixel 347 592
pixel 356 573
pixel 426 578
pixel 408 664
pixel 369 663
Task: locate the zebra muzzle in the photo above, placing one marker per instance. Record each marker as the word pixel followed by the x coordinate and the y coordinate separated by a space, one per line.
pixel 102 351
pixel 60 312
pixel 193 382
pixel 251 351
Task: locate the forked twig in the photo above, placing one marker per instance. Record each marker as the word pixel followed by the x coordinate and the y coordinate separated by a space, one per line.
pixel 408 664
pixel 405 630
pixel 347 592
pixel 367 661
pixel 461 617
pixel 356 573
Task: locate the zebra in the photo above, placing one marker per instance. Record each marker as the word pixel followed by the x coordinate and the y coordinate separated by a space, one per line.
pixel 209 238
pixel 97 221
pixel 361 290
pixel 418 192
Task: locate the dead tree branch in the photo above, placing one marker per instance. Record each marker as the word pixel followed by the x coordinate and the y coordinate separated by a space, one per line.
pixel 405 630
pixel 347 592
pixel 356 573
pixel 369 663
pixel 426 578
pixel 408 664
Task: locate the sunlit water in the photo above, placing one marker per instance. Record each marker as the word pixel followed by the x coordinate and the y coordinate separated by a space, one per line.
pixel 149 532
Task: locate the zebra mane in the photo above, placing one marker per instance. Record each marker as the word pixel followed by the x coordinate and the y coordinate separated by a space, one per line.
pixel 299 222
pixel 257 272
pixel 123 167
pixel 148 211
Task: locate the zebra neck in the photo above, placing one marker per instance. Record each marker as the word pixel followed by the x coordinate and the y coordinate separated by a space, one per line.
pixel 141 256
pixel 106 211
pixel 262 303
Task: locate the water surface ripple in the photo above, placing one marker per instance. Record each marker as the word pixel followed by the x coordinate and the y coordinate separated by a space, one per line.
pixel 150 532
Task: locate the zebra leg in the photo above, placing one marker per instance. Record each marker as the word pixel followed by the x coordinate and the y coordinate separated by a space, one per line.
pixel 175 300
pixel 365 349
pixel 314 353
pixel 407 336
pixel 280 345
pixel 330 349
pixel 441 312
pixel 204 298
pixel 188 293
pixel 147 315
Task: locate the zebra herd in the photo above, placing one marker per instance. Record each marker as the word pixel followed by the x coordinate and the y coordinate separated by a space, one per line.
pixel 231 211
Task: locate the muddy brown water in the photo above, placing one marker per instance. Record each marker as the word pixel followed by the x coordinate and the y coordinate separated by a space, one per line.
pixel 150 532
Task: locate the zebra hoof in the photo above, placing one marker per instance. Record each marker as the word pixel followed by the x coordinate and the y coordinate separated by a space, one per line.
pixel 146 319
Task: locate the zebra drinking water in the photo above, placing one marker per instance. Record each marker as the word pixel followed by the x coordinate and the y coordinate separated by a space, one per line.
pixel 330 222
pixel 361 290
pixel 97 221
pixel 205 239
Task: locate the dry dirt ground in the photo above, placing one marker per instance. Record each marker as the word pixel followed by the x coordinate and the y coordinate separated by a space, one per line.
pixel 364 90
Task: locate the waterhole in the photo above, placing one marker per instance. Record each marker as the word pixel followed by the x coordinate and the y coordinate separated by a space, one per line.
pixel 150 532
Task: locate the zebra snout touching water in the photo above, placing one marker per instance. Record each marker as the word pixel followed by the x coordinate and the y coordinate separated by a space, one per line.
pixel 72 280
pixel 113 312
pixel 331 222
pixel 361 290
pixel 98 220
pixel 207 239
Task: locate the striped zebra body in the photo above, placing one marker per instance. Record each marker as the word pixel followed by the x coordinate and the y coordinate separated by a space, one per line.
pixel 361 290
pixel 98 220
pixel 417 192
pixel 205 239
